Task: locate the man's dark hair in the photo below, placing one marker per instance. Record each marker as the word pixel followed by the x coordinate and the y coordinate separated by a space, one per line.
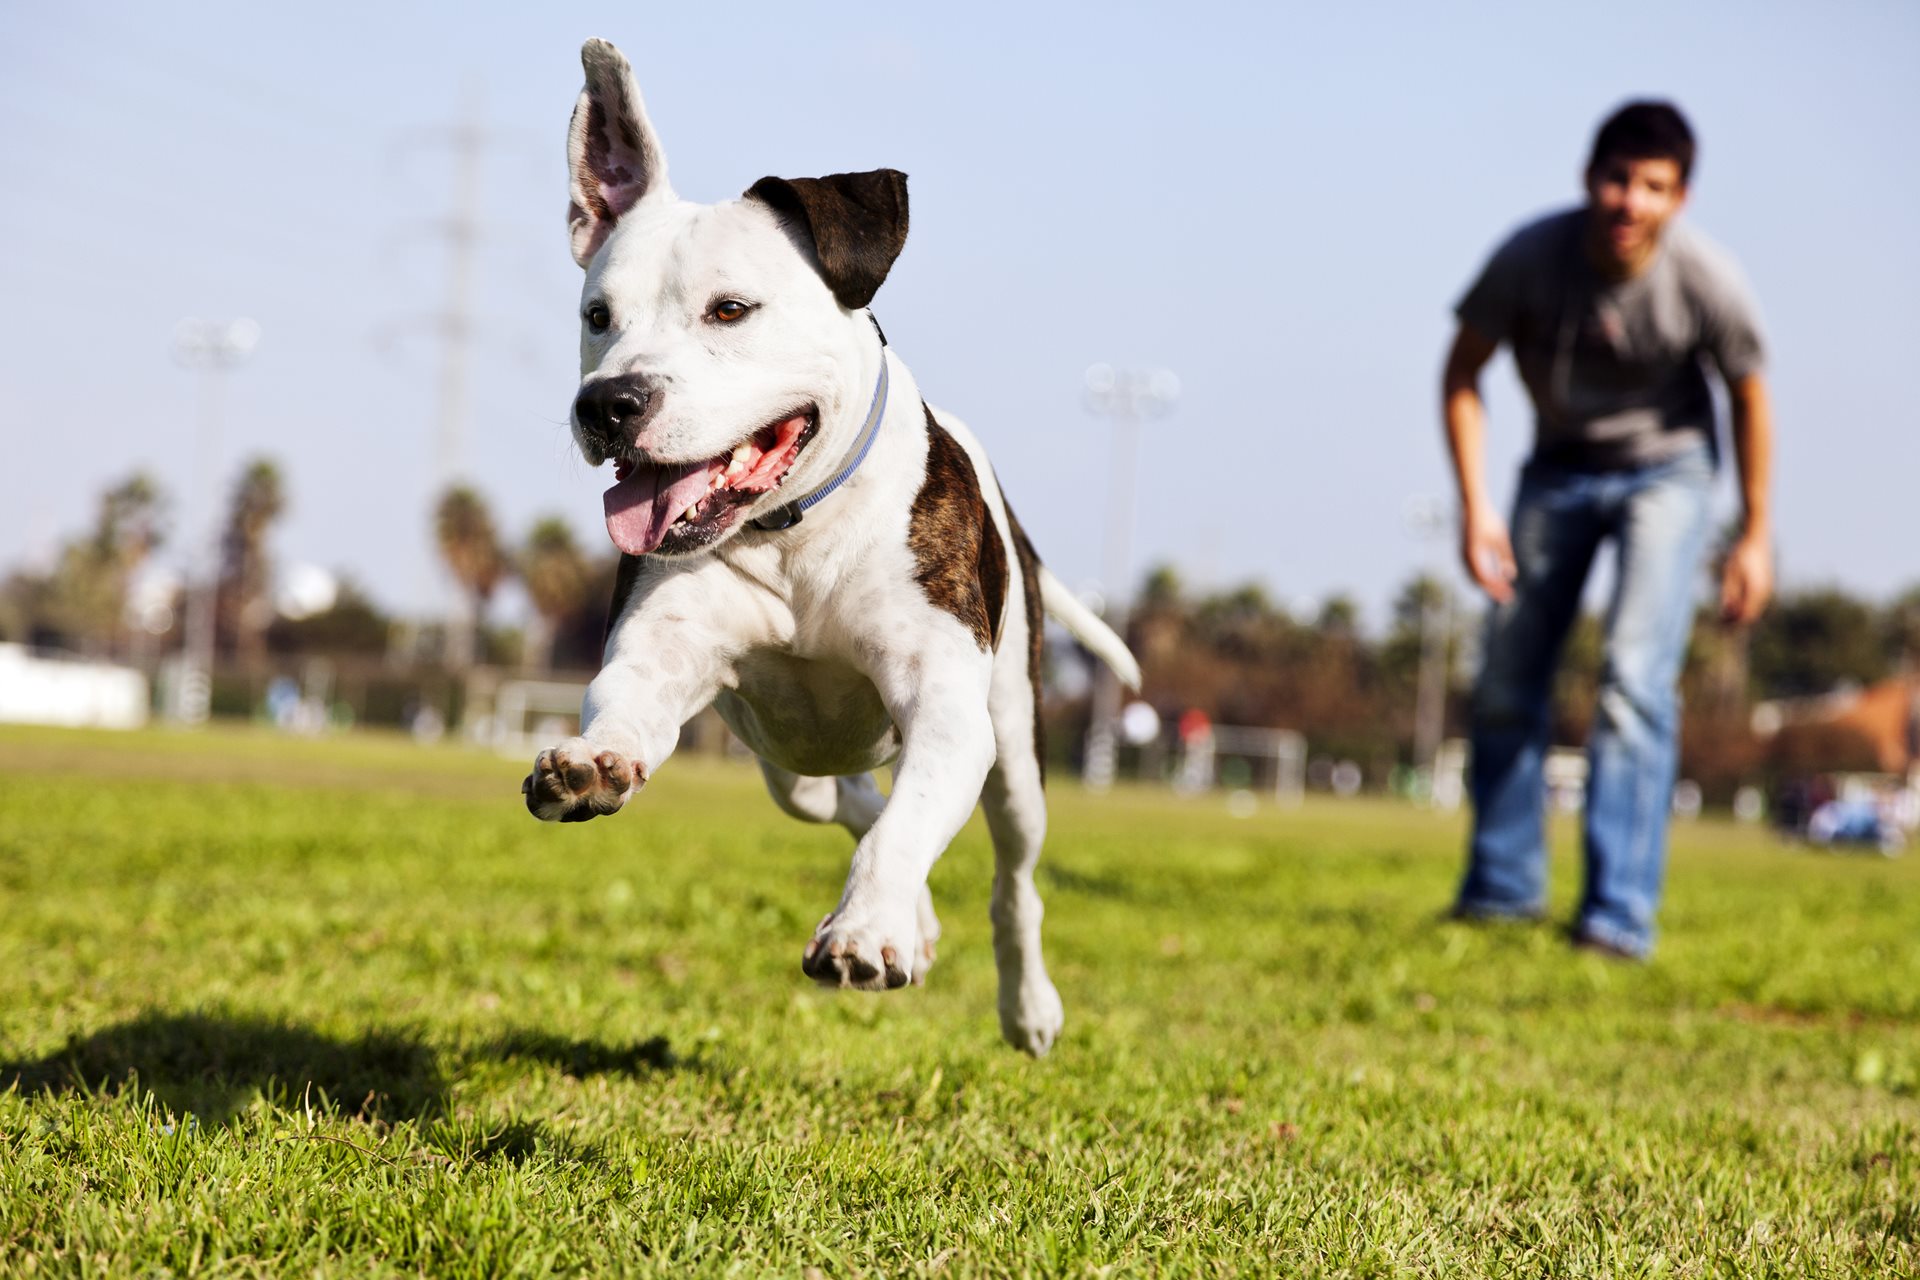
pixel 1645 131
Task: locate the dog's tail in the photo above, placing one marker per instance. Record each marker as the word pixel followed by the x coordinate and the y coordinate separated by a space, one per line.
pixel 1088 629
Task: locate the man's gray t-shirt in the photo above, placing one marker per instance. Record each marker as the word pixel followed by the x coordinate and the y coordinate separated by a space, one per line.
pixel 1616 368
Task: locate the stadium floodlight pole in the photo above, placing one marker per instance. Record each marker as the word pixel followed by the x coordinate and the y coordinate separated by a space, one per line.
pixel 1129 397
pixel 1431 520
pixel 212 348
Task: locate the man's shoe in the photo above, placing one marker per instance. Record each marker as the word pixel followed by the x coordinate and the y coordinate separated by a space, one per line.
pixel 1596 945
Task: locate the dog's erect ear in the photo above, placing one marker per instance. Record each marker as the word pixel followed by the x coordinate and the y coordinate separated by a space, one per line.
pixel 613 158
pixel 857 222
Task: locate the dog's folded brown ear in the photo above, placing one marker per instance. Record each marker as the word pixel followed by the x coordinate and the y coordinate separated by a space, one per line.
pixel 857 223
pixel 613 158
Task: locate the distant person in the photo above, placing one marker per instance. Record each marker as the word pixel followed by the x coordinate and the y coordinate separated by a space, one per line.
pixel 1613 311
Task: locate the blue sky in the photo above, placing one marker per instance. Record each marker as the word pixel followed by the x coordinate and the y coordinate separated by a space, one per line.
pixel 1280 204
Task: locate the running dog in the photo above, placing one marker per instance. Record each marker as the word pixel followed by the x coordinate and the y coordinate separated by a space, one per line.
pixel 806 546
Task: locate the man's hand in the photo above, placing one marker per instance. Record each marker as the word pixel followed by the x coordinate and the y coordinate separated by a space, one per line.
pixel 1485 548
pixel 1747 583
pixel 1487 552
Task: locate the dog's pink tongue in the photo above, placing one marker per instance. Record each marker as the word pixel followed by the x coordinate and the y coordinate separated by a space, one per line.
pixel 642 507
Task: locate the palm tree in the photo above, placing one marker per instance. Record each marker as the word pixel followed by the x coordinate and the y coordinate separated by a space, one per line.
pixel 1903 631
pixel 1339 618
pixel 471 548
pixel 88 590
pixel 556 577
pixel 259 498
pixel 132 515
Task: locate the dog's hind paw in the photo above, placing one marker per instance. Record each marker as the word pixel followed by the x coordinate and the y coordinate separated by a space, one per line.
pixel 573 782
pixel 1031 1016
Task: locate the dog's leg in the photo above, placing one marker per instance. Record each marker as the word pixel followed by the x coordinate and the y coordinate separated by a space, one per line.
pixel 628 729
pixel 878 935
pixel 1030 1009
pixel 1016 809
pixel 855 803
pixel 662 666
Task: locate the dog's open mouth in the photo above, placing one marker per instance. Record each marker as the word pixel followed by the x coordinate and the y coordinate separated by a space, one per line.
pixel 689 503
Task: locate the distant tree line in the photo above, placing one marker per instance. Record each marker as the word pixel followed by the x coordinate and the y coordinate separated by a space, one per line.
pixel 1243 659
pixel 95 598
pixel 1235 654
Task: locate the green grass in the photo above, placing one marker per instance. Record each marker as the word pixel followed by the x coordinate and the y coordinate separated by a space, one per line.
pixel 343 1008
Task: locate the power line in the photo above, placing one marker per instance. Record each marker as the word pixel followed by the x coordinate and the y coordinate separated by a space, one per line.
pixel 467 142
pixel 454 324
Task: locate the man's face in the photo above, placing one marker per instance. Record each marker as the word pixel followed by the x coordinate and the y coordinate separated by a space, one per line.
pixel 1631 201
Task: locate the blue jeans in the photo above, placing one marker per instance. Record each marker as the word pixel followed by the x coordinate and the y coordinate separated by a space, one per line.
pixel 1659 515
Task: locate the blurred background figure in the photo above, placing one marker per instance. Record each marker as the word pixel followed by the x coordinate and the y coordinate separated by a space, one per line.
pixel 1612 311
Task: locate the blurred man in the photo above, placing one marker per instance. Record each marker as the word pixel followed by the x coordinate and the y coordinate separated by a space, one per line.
pixel 1613 311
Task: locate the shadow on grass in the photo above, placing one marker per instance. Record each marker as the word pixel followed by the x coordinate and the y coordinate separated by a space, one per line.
pixel 213 1064
pixel 1093 884
pixel 585 1058
pixel 514 1142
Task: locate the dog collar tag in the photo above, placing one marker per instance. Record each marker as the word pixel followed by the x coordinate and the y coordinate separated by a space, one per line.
pixel 779 518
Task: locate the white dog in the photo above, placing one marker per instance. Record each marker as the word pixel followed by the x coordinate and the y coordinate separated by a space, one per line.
pixel 808 547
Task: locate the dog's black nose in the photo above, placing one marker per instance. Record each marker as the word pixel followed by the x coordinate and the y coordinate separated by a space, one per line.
pixel 612 410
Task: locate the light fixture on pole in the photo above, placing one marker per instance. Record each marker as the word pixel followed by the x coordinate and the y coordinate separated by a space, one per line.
pixel 1128 397
pixel 213 348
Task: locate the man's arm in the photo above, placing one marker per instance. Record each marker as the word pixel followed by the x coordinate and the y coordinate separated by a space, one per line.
pixel 1485 548
pixel 1747 583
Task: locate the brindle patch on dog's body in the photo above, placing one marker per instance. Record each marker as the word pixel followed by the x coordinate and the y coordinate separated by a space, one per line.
pixel 959 560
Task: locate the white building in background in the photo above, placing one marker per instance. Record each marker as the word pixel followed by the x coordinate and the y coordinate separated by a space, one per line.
pixel 69 692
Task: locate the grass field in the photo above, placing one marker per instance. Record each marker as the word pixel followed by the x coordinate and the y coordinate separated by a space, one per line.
pixel 343 1008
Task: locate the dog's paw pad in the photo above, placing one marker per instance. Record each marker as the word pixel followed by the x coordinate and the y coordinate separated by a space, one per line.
pixel 573 783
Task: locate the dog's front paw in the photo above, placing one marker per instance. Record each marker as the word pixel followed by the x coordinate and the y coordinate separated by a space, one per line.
pixel 867 949
pixel 574 782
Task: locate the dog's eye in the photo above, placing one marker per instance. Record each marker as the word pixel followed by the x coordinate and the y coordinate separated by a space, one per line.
pixel 728 310
pixel 598 317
